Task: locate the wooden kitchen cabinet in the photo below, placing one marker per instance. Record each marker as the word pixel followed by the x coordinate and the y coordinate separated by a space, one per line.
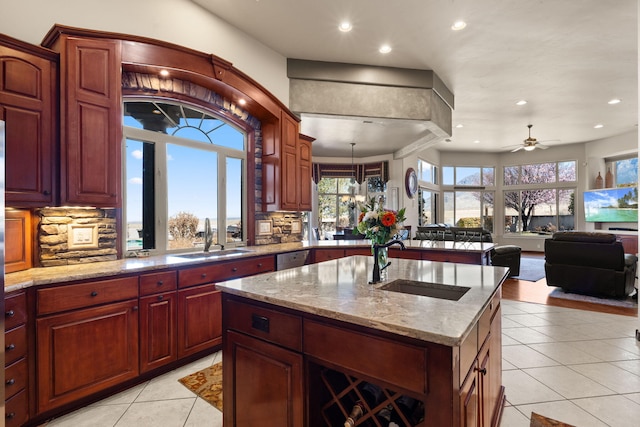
pixel 28 105
pixel 16 388
pixel 91 117
pixel 199 319
pixel 158 320
pixel 304 169
pixel 87 339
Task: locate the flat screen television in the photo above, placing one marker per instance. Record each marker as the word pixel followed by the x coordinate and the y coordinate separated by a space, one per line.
pixel 611 205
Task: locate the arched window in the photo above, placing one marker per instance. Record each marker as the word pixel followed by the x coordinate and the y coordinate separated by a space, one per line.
pixel 182 165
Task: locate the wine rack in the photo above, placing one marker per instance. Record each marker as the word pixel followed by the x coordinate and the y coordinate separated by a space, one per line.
pixel 343 391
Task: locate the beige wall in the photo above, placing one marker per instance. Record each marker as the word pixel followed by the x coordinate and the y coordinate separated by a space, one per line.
pixel 177 21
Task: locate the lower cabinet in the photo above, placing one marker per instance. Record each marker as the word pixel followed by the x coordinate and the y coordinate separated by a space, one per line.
pixel 158 326
pixel 85 351
pixel 270 380
pixel 199 319
pixel 16 368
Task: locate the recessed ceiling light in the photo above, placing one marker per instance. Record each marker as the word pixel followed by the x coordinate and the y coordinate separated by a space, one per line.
pixel 459 125
pixel 521 102
pixel 598 126
pixel 385 48
pixel 458 25
pixel 345 26
pixel 477 141
pixel 164 73
pixel 614 101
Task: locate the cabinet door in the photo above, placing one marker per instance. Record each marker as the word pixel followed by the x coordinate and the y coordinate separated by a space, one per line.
pixel 199 319
pixel 469 409
pixel 290 184
pixel 264 383
pixel 304 181
pixel 320 255
pixel 85 351
pixel 28 105
pixel 495 394
pixel 158 345
pixel 91 114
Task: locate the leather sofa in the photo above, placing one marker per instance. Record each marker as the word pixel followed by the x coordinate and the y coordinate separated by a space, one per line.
pixel 589 263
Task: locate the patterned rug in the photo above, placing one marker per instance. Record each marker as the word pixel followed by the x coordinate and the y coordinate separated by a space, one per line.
pixel 206 384
pixel 626 302
pixel 531 269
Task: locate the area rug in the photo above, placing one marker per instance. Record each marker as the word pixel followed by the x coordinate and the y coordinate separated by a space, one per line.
pixel 627 302
pixel 531 269
pixel 207 384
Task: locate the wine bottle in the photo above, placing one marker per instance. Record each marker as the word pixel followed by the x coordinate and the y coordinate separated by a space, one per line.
pixel 406 405
pixel 371 393
pixel 354 415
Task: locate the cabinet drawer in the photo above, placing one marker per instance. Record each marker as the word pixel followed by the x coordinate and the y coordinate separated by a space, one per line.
pixel 154 283
pixel 15 342
pixel 16 410
pixel 484 324
pixel 15 310
pixel 389 361
pixel 69 297
pixel 244 267
pixel 273 326
pixel 196 276
pixel 15 378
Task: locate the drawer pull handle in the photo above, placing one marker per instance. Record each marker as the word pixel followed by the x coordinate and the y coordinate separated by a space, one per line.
pixel 160 297
pixel 260 323
pixel 483 371
pixel 10 415
pixel 260 265
pixel 203 275
pixel 135 308
pixel 160 283
pixel 10 313
pixel 11 347
pixel 234 269
pixel 11 381
pixel 94 294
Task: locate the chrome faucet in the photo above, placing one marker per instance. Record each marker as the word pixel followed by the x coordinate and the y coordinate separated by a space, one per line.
pixel 208 235
pixel 376 265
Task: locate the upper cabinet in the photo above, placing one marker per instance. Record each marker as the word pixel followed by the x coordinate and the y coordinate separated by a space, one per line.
pixel 91 121
pixel 286 167
pixel 28 105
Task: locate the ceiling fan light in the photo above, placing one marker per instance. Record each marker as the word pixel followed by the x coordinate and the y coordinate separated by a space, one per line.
pixel 529 147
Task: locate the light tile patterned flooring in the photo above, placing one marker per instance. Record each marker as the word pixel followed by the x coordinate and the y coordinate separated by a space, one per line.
pixel 579 367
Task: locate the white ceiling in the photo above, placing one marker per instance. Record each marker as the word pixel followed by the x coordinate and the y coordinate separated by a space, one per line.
pixel 567 58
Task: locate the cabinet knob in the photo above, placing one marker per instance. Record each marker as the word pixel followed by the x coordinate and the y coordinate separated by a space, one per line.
pixel 10 415
pixel 203 275
pixel 160 297
pixel 46 192
pixel 94 294
pixel 160 283
pixel 135 308
pixel 11 381
pixel 483 371
pixel 234 269
pixel 10 313
pixel 10 347
pixel 260 265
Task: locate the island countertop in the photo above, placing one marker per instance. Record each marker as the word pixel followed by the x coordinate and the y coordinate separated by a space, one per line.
pixel 340 290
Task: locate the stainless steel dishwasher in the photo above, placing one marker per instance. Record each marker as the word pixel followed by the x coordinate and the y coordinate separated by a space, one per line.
pixel 292 259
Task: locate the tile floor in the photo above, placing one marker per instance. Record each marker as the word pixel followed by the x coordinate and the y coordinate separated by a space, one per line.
pixel 580 367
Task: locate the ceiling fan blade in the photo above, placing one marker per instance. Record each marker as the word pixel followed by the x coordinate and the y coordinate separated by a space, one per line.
pixel 517 149
pixel 542 147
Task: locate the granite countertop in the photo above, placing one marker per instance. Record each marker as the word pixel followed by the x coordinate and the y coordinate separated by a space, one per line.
pixel 339 289
pixel 68 273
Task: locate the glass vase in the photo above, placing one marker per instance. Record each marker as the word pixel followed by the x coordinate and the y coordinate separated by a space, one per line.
pixel 383 258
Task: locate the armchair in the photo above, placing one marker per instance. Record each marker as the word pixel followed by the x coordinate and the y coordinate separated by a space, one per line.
pixel 589 263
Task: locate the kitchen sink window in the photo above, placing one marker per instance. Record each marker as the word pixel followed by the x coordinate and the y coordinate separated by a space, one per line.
pixel 182 165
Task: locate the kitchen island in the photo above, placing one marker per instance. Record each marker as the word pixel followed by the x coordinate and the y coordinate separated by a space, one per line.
pixel 301 346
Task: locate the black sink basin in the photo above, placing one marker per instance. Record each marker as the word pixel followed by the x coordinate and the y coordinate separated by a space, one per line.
pixel 426 289
pixel 214 254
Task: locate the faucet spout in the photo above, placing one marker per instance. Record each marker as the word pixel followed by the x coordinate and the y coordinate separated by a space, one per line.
pixel 208 235
pixel 376 265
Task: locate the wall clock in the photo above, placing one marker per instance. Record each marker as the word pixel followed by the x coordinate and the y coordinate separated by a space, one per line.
pixel 411 182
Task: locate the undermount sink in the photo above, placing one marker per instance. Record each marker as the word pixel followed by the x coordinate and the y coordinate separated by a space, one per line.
pixel 214 254
pixel 426 289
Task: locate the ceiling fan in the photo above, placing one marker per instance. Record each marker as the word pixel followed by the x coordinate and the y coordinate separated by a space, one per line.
pixel 530 143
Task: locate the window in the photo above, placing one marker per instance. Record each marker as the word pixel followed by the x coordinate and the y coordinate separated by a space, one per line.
pixel 472 207
pixel 541 197
pixel 182 165
pixel 427 173
pixel 625 172
pixel 427 206
pixel 336 204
